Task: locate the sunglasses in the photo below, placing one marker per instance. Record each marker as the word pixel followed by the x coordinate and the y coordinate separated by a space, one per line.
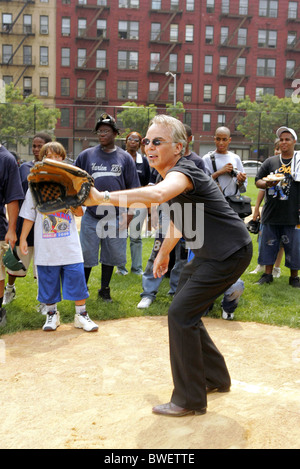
pixel 156 142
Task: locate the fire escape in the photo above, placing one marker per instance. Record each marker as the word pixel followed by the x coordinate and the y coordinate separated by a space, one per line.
pixel 163 43
pixel 90 65
pixel 19 33
pixel 293 72
pixel 240 45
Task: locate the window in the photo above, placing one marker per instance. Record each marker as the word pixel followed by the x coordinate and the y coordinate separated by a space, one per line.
pixel 209 34
pixel 81 57
pixel 27 24
pixel 154 60
pixel 259 92
pixel 240 93
pixel 243 7
pixel 66 26
pixel 187 92
pixel 241 66
pixel 267 38
pixel 43 86
pixel 128 60
pixel 129 3
pixel 266 67
pixel 102 3
pixel 171 92
pixel 7 79
pixel 156 5
pixel 44 24
pixel 210 6
pixel 225 7
pixel 65 56
pixel 188 63
pixel 206 119
pixel 153 90
pixel 242 37
pixel 173 32
pixel 292 38
pixel 221 119
pixel 128 29
pixel 268 8
pixel 174 4
pixel 190 5
pixel 7 52
pixel 224 35
pixel 65 117
pixel 81 27
pixel 27 55
pixel 290 68
pixel 100 89
pixel 7 21
pixel 223 64
pixel 81 85
pixel 101 58
pixel 293 10
pixel 80 118
pixel 155 31
pixel 208 64
pixel 189 33
pixel 101 28
pixel 44 55
pixel 27 86
pixel 207 92
pixel 128 90
pixel 65 87
pixel 173 59
pixel 222 94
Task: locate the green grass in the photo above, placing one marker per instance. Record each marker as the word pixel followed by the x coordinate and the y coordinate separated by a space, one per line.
pixel 276 304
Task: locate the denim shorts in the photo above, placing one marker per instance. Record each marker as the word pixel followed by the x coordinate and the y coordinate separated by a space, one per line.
pixel 96 233
pixel 70 277
pixel 275 236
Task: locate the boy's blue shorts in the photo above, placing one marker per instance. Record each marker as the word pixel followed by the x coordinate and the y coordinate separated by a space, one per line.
pixel 69 278
pixel 275 236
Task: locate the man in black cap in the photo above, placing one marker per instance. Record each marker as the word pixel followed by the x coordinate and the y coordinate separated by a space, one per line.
pixel 112 169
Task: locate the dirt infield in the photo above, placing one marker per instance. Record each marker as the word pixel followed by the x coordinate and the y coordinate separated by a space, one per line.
pixel 70 389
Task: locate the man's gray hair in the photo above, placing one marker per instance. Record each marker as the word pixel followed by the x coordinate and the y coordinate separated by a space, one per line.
pixel 178 132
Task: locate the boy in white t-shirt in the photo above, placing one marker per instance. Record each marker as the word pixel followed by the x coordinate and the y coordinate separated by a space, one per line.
pixel 58 255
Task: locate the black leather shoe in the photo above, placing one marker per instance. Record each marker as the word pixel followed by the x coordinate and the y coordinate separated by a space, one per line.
pixel 294 282
pixel 211 389
pixel 173 410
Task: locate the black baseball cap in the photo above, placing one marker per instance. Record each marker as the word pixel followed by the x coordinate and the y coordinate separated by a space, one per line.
pixel 108 120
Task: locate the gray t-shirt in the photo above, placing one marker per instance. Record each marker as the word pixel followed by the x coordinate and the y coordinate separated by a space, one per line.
pixel 223 231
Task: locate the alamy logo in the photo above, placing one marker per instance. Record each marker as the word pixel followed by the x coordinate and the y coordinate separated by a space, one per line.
pixel 296 93
pixel 2 352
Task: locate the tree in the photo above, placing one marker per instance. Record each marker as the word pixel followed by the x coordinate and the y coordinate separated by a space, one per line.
pixel 260 119
pixel 136 118
pixel 21 118
pixel 175 111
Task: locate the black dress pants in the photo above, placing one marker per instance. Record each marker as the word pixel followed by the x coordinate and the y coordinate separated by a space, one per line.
pixel 195 360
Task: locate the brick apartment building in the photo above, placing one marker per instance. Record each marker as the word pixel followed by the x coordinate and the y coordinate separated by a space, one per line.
pixel 109 52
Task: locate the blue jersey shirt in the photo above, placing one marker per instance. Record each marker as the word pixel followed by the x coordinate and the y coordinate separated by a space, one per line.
pixel 112 171
pixel 10 186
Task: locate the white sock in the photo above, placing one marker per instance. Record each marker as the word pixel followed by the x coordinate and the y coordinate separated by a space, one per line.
pixel 51 308
pixel 10 287
pixel 80 309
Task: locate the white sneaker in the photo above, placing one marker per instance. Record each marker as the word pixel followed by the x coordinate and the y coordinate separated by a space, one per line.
pixel 258 269
pixel 83 321
pixel 276 272
pixel 9 295
pixel 227 316
pixel 145 302
pixel 52 321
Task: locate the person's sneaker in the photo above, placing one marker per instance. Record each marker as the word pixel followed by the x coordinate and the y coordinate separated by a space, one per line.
pixel 227 316
pixel 104 294
pixel 52 321
pixel 276 272
pixel 145 302
pixel 294 282
pixel 265 278
pixel 83 321
pixel 121 271
pixel 9 295
pixel 258 269
pixel 2 317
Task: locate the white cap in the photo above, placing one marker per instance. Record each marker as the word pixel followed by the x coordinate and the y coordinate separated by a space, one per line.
pixel 286 129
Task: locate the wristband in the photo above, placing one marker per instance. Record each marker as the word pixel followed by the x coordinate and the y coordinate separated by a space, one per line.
pixel 106 196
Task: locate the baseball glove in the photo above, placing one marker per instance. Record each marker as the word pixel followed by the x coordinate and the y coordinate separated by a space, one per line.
pixel 56 185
